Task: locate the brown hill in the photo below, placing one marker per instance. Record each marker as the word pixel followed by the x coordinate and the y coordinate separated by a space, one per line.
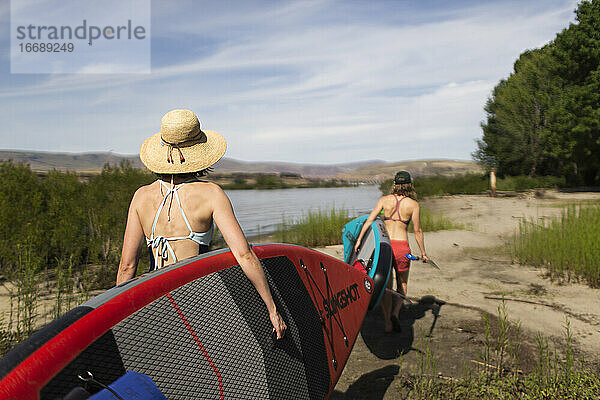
pixel 93 163
pixel 76 162
pixel 373 170
pixel 385 171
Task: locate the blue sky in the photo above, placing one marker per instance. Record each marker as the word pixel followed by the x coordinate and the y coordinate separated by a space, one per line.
pixel 299 81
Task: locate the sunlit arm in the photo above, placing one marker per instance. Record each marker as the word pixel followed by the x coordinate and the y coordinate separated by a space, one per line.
pixel 131 244
pixel 368 222
pixel 416 219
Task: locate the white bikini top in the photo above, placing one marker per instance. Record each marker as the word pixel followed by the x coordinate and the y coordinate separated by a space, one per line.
pixel 161 243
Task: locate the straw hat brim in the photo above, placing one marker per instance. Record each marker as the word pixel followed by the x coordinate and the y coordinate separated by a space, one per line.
pixel 199 156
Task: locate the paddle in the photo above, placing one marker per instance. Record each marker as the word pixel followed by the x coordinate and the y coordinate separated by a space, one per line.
pixel 415 258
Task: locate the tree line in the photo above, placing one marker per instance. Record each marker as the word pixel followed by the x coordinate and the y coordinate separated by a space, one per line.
pixel 58 218
pixel 544 119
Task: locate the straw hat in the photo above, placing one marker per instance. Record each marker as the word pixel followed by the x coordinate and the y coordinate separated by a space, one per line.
pixel 181 146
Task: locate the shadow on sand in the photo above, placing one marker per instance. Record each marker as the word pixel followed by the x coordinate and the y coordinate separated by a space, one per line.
pixel 371 386
pixel 387 346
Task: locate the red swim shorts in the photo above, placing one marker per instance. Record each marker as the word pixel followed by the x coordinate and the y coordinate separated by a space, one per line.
pixel 399 260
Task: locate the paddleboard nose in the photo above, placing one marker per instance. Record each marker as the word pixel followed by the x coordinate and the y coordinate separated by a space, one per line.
pixel 360 265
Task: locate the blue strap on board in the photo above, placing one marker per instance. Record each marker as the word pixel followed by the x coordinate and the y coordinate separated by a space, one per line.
pixel 411 257
pixel 131 386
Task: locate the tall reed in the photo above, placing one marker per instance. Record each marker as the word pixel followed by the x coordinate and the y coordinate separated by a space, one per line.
pixel 557 375
pixel 567 245
pixel 25 292
pixel 323 228
pixel 436 222
pixel 315 228
pixel 426 368
pixel 64 291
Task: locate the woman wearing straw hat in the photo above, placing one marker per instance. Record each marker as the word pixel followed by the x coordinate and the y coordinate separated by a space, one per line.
pixel 179 154
pixel 399 209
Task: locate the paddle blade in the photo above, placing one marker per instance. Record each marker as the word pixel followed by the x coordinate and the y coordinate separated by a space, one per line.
pixel 433 264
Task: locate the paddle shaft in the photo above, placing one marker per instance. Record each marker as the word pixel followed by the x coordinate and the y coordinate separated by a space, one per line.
pixel 416 258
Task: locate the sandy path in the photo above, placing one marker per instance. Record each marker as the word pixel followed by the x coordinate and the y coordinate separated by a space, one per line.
pixel 473 266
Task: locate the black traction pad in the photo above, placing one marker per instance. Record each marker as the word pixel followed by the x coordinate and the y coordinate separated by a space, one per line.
pixel 211 338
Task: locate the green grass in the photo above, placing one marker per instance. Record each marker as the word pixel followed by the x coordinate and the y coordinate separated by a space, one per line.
pixel 556 375
pixel 523 183
pixel 566 245
pixel 578 384
pixel 323 228
pixel 437 222
pixel 315 228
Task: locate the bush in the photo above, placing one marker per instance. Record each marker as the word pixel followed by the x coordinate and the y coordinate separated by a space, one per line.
pixel 63 217
pixel 474 184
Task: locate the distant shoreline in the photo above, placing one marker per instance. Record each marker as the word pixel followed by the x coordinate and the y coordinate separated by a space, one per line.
pixel 90 164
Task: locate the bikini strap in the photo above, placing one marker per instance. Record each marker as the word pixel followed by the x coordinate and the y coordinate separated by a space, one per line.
pixel 161 243
pixel 397 209
pixel 176 195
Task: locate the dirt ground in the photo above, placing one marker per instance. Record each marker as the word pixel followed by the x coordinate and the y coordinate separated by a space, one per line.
pixel 475 271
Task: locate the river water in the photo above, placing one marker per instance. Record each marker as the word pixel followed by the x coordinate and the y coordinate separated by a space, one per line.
pixel 261 211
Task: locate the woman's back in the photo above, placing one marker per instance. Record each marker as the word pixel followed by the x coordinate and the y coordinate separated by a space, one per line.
pixel 177 220
pixel 197 203
pixel 397 211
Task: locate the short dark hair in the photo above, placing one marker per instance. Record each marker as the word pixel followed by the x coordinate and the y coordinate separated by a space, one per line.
pixel 402 177
pixel 186 175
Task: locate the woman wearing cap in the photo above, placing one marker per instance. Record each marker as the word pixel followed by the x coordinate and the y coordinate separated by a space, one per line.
pixel 179 154
pixel 398 210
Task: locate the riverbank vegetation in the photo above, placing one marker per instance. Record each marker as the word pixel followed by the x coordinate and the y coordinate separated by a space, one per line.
pixel 49 221
pixel 248 181
pixel 474 184
pixel 567 245
pixel 324 228
pixel 557 372
pixel 315 228
pixel 60 239
pixel 431 222
pixel 543 118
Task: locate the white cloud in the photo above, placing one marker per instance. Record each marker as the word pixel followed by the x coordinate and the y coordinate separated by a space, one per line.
pixel 289 81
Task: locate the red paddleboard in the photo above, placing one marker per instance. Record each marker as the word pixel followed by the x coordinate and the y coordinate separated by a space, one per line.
pixel 199 329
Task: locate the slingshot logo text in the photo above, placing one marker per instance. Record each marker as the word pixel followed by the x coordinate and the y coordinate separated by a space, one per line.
pixel 341 300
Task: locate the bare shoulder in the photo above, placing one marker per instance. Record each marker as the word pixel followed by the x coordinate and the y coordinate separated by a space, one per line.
pixel 141 194
pixel 208 188
pixel 208 192
pixel 387 199
pixel 141 199
pixel 412 204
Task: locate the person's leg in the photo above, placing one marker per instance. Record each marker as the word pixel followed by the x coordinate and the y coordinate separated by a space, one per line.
pixel 386 307
pixel 401 286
